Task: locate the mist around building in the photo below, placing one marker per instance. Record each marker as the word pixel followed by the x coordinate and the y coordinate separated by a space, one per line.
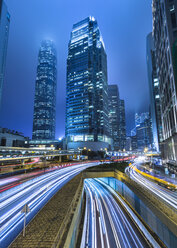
pixel 95 112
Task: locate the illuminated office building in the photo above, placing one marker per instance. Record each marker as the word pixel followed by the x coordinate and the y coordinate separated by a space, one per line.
pixel 45 93
pixel 114 115
pixel 122 125
pixel 87 121
pixel 165 44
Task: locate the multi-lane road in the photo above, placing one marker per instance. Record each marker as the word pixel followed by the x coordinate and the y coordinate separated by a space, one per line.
pixel 106 223
pixel 167 195
pixel 35 193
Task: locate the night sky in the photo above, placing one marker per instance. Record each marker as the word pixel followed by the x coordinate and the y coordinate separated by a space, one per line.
pixel 124 25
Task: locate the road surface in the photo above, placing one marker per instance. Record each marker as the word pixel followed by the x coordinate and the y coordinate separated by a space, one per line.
pixel 35 193
pixel 106 223
pixel 168 196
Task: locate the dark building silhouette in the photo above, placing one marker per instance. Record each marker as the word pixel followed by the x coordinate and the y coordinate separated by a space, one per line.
pixel 154 91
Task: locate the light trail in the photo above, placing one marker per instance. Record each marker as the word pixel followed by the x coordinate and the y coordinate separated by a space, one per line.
pixel 116 228
pixel 36 193
pixel 164 194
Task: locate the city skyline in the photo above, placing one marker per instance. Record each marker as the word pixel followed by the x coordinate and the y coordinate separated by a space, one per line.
pixel 24 121
pixel 88 123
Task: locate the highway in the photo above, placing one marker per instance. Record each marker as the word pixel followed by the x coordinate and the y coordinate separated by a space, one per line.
pixel 168 196
pixel 106 223
pixel 35 192
pixel 12 181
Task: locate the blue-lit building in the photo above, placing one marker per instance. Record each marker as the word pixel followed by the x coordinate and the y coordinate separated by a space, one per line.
pixel 117 118
pixel 122 125
pixel 87 121
pixel 4 33
pixel 114 115
pixel 141 135
pixel 165 43
pixel 143 126
pixel 154 92
pixel 45 94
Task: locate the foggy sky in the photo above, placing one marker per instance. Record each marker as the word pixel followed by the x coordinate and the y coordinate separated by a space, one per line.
pixel 124 26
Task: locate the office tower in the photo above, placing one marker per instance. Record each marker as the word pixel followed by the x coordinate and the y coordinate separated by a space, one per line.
pixel 122 125
pixel 113 100
pixel 45 93
pixel 4 33
pixel 87 121
pixel 128 146
pixel 144 135
pixel 134 146
pixel 143 131
pixel 141 135
pixel 165 43
pixel 154 92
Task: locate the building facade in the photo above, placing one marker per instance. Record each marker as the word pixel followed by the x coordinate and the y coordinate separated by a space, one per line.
pixel 122 125
pixel 144 134
pixel 141 135
pixel 134 145
pixel 165 42
pixel 114 115
pixel 11 138
pixel 154 92
pixel 44 116
pixel 128 146
pixel 87 118
pixel 4 33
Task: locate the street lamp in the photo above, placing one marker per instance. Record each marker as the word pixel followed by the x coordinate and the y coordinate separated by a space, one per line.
pixel 145 149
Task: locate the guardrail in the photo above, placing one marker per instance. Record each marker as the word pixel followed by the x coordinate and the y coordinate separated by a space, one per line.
pixel 148 237
pixel 156 179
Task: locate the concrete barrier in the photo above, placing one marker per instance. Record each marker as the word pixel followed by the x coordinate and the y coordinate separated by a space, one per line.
pixel 72 218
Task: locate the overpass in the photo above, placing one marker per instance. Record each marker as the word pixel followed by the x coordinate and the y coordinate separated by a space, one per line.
pixel 8 154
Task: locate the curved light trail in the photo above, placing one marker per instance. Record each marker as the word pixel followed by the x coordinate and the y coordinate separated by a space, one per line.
pixel 35 193
pixel 107 224
pixel 164 194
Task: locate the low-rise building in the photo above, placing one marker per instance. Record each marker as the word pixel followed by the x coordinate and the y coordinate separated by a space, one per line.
pixel 11 138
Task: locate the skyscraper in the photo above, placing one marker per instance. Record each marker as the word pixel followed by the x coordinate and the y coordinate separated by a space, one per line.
pixel 4 33
pixel 141 135
pixel 144 133
pixel 45 93
pixel 154 92
pixel 165 43
pixel 114 115
pixel 122 125
pixel 87 123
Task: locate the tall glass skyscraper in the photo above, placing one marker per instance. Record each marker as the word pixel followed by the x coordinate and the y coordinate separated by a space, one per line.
pixel 45 93
pixel 122 125
pixel 87 88
pixel 4 33
pixel 114 114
